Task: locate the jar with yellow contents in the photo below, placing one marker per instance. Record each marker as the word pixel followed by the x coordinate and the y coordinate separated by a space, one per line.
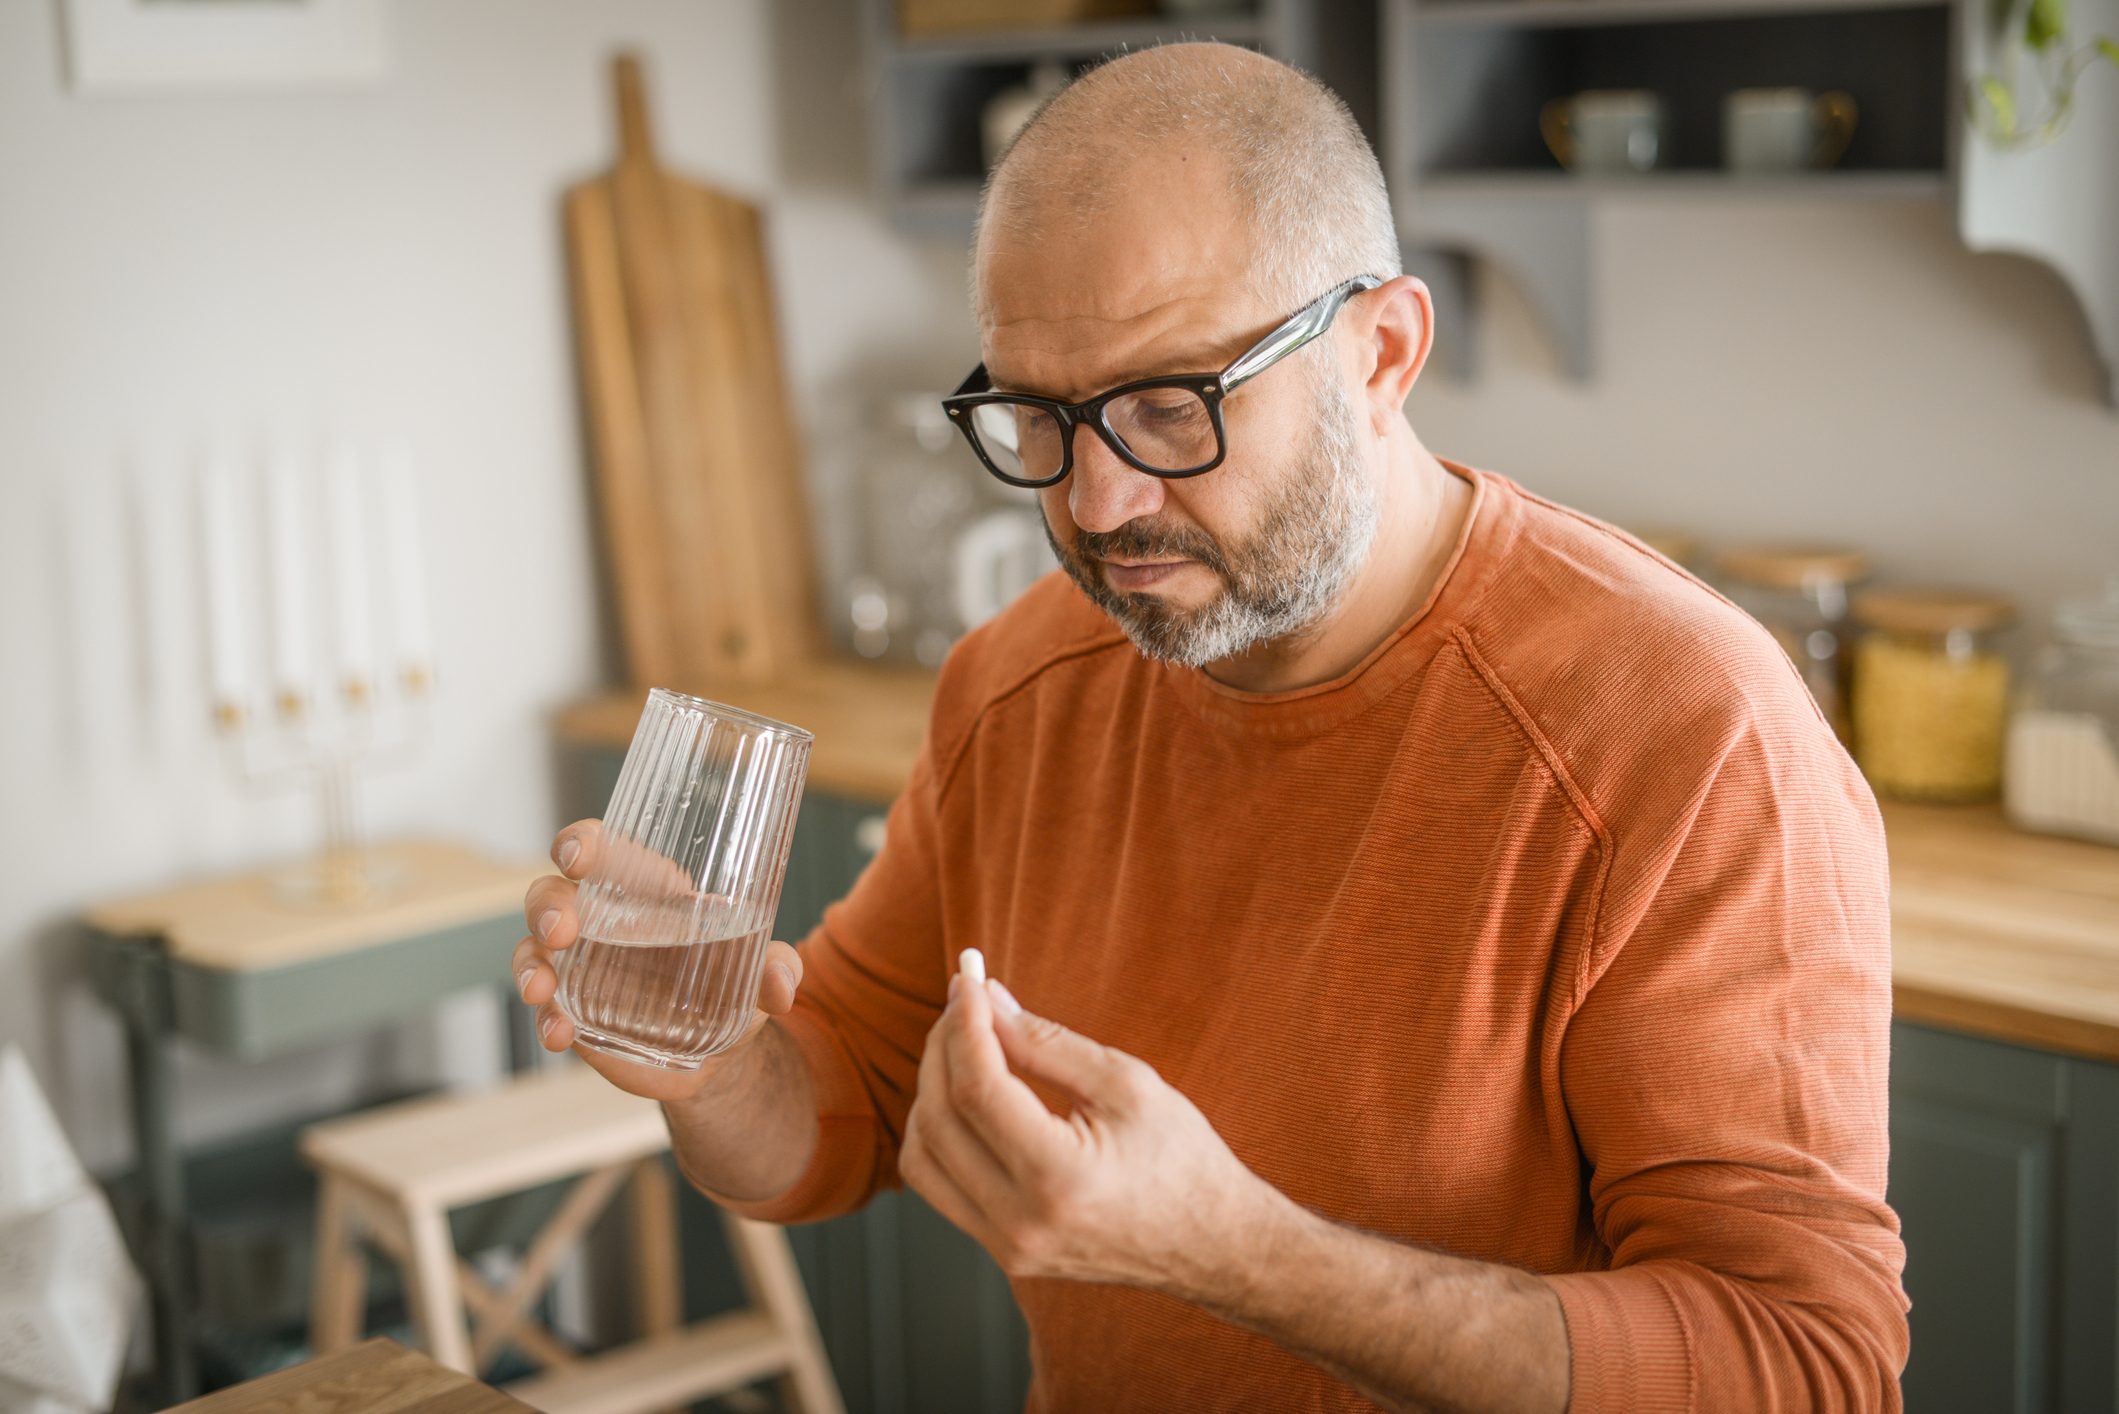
pixel 1930 692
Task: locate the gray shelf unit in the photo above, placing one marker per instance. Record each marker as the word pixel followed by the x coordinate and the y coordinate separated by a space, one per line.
pixel 927 92
pixel 925 95
pixel 1464 81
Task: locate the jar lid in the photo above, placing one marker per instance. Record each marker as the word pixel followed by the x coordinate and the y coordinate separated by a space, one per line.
pixel 2092 622
pixel 1931 610
pixel 1794 566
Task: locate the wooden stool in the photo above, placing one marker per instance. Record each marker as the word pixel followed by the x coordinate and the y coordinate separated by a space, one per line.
pixel 390 1176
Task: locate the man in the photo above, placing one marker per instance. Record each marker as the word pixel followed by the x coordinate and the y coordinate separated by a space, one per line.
pixel 1441 954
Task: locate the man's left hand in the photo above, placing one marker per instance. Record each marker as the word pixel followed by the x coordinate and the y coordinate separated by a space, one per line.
pixel 1134 1186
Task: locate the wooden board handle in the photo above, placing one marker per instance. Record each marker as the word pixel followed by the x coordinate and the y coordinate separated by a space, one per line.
pixel 635 143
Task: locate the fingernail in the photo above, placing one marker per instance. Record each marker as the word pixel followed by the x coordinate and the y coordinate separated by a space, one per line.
pixel 522 979
pixel 546 922
pixel 544 1027
pixel 1004 1000
pixel 956 979
pixel 569 851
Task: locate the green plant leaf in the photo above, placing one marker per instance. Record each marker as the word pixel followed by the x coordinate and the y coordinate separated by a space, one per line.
pixel 2045 22
pixel 2001 103
pixel 2109 48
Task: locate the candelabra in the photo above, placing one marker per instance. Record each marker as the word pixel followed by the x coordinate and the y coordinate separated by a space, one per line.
pixel 322 726
pixel 326 748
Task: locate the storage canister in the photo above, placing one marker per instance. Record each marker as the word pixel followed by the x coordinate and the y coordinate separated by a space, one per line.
pixel 1800 592
pixel 2063 753
pixel 1930 692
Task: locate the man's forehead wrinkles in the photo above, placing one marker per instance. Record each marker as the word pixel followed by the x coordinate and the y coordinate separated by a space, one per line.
pixel 1134 316
pixel 1062 353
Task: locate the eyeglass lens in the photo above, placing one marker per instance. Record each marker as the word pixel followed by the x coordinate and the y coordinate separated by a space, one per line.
pixel 1169 429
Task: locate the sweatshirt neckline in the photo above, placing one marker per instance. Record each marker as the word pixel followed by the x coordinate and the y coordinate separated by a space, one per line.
pixel 1306 711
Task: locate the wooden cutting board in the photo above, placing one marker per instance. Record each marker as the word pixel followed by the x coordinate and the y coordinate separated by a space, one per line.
pixel 698 473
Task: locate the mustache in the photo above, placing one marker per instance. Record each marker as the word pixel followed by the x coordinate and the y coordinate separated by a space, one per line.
pixel 1138 541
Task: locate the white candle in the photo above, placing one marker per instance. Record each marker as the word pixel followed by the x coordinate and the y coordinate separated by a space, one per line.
pixel 287 547
pixel 227 647
pixel 408 577
pixel 349 573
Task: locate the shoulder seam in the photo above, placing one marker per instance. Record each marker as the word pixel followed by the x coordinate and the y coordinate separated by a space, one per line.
pixel 1059 657
pixel 1576 797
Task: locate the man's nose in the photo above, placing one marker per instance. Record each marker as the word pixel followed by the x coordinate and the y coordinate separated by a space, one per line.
pixel 1103 491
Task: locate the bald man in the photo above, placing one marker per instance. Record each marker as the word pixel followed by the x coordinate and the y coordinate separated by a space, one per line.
pixel 1439 951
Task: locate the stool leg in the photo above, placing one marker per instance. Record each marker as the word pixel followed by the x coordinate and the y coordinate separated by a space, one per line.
pixel 769 1273
pixel 339 1286
pixel 658 1292
pixel 430 1280
pixel 658 1286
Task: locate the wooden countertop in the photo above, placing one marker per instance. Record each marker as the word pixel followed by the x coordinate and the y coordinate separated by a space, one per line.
pixel 2001 933
pixel 1995 932
pixel 868 721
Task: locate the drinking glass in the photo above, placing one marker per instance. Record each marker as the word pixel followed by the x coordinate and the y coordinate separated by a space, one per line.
pixel 675 918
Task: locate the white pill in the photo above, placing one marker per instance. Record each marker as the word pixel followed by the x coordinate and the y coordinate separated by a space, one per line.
pixel 972 963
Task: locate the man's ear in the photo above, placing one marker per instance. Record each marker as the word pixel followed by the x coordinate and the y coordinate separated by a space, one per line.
pixel 1403 332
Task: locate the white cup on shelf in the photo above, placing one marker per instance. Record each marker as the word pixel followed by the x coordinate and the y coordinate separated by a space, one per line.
pixel 1604 131
pixel 1780 130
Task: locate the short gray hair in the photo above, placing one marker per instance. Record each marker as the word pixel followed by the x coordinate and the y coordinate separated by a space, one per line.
pixel 1298 161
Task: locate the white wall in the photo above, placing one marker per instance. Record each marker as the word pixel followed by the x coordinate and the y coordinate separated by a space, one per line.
pixel 1823 371
pixel 390 260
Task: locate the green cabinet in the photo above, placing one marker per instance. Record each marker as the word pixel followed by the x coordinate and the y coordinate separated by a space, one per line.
pixel 2005 1174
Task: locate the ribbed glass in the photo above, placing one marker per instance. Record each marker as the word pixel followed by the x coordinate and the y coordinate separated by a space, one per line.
pixel 675 920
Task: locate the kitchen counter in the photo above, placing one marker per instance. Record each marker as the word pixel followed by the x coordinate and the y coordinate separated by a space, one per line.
pixel 1995 932
pixel 2004 934
pixel 868 721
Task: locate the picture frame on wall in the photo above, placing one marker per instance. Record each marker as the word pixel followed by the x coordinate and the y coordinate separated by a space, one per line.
pixel 129 46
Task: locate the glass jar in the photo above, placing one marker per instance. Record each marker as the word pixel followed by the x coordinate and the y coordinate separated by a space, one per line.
pixel 1930 692
pixel 917 488
pixel 1800 593
pixel 2063 751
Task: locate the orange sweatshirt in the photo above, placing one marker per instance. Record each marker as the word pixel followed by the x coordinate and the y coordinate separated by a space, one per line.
pixel 1552 934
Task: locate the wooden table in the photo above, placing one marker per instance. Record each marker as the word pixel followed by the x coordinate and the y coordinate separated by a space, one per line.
pixel 229 965
pixel 375 1377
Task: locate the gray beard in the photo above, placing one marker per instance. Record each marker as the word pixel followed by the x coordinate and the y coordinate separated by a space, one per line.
pixel 1311 542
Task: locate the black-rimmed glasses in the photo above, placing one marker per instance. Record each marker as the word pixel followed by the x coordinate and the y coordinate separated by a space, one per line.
pixel 1169 426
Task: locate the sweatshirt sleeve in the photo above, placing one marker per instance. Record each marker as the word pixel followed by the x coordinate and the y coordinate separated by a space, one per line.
pixel 874 977
pixel 1726 1069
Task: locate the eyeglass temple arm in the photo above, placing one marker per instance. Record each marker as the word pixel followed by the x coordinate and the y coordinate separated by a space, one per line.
pixel 1304 326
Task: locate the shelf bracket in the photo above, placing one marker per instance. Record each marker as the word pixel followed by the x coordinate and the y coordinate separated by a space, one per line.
pixel 1542 244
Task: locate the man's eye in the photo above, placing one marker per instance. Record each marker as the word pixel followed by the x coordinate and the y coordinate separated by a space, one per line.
pixel 1172 414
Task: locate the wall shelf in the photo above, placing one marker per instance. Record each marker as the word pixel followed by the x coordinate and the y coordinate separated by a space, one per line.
pixel 1465 80
pixel 1451 90
pixel 1687 186
pixel 1028 46
pixel 929 92
pixel 1576 14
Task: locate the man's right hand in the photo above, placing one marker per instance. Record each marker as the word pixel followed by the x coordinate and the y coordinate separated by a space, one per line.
pixel 554 924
